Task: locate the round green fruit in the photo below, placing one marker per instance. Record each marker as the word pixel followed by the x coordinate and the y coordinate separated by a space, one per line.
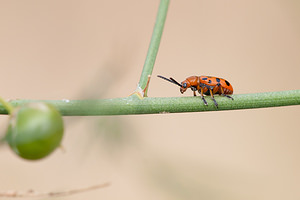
pixel 35 130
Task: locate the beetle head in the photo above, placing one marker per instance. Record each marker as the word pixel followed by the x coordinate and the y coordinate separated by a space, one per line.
pixel 184 86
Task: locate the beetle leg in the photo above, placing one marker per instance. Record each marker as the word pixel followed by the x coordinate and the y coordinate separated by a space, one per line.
pixel 194 90
pixel 225 95
pixel 212 97
pixel 202 97
pixel 230 97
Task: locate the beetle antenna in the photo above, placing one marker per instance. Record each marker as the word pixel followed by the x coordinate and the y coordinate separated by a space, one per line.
pixel 170 80
pixel 175 82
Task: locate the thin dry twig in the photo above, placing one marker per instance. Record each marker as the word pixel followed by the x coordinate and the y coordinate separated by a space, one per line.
pixel 32 193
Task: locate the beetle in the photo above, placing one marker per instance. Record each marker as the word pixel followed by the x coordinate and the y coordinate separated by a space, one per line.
pixel 207 85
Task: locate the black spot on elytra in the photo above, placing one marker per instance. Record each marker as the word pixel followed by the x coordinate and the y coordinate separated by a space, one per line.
pixel 227 83
pixel 218 80
pixel 204 78
pixel 209 81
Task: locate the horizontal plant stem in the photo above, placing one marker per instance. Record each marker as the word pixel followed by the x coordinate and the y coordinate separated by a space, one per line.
pixel 132 105
pixel 6 105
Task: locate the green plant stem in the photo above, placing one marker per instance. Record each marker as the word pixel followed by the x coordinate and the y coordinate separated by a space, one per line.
pixel 136 104
pixel 9 108
pixel 154 44
pixel 133 105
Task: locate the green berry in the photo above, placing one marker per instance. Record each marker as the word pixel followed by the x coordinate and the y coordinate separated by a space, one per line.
pixel 35 130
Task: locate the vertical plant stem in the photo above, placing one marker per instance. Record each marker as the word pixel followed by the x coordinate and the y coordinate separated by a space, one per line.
pixel 154 44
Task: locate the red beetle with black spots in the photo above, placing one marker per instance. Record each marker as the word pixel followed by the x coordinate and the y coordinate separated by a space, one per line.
pixel 207 85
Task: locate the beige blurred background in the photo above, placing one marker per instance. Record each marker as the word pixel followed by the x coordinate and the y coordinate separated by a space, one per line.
pixel 96 49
